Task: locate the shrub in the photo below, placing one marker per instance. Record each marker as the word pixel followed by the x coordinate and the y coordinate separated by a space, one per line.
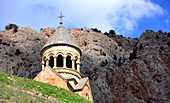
pixel 140 47
pixel 119 62
pixel 148 30
pixel 160 31
pixel 152 31
pixel 96 30
pixel 112 32
pixel 85 44
pixel 119 43
pixel 168 34
pixel 162 48
pixel 11 26
pixel 41 29
pixel 17 52
pixel 133 54
pixel 135 38
pixel 121 36
pixel 168 44
pixel 115 58
pixel 106 33
pixel 157 37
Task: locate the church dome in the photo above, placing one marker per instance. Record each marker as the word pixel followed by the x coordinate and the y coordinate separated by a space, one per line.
pixel 61 37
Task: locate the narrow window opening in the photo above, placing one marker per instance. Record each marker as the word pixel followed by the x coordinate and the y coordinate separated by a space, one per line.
pixel 59 61
pixel 45 63
pixel 75 64
pixel 68 62
pixel 51 62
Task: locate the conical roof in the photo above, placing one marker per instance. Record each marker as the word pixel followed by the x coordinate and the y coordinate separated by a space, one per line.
pixel 61 37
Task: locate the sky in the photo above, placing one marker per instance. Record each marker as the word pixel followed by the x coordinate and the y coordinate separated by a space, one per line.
pixel 129 18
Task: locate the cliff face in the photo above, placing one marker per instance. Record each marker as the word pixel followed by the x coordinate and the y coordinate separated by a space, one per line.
pixel 120 69
pixel 20 52
pixel 146 78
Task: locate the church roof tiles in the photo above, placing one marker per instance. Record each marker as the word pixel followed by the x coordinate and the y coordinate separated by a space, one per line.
pixel 61 37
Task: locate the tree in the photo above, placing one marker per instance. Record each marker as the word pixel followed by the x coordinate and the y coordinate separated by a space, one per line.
pixel 11 26
pixel 160 31
pixel 112 32
pixel 106 33
pixel 41 29
pixel 96 30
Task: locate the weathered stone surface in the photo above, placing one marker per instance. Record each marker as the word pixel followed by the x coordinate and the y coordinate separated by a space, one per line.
pixel 105 60
pixel 19 52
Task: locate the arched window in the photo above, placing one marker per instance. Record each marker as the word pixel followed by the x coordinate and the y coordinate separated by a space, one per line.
pixel 51 62
pixel 59 61
pixel 68 62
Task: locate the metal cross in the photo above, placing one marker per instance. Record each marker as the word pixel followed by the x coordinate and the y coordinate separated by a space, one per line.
pixel 61 16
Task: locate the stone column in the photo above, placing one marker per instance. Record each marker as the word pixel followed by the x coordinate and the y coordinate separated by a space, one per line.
pixel 43 64
pixel 78 67
pixel 47 62
pixel 73 66
pixel 64 64
pixel 55 62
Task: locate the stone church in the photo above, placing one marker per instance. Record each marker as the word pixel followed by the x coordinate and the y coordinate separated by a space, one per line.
pixel 61 63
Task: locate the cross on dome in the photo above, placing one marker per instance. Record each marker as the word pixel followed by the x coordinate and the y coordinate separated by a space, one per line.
pixel 61 37
pixel 61 16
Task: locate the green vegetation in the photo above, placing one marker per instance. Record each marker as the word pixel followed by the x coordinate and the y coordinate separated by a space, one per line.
pixel 11 26
pixel 23 90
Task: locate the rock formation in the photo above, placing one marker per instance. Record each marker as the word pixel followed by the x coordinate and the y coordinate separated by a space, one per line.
pixel 120 69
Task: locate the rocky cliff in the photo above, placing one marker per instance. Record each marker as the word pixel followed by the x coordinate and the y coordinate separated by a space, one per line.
pixel 120 69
